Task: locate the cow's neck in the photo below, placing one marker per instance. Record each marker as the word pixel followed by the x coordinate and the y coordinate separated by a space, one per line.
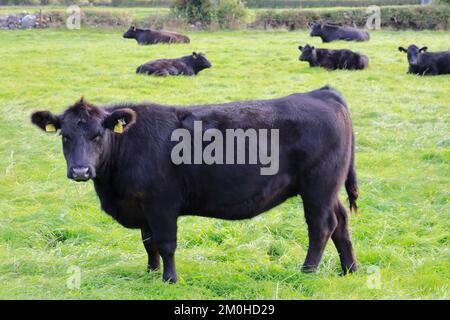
pixel 109 157
pixel 313 62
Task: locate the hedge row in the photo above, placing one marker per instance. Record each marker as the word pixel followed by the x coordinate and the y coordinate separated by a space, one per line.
pixel 116 3
pixel 324 3
pixel 96 19
pixel 142 3
pixel 404 17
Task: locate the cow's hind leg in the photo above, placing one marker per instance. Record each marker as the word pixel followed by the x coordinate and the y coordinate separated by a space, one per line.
pixel 151 248
pixel 321 221
pixel 162 73
pixel 167 251
pixel 341 239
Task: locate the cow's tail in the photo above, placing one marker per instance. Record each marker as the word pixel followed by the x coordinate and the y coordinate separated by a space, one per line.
pixel 351 185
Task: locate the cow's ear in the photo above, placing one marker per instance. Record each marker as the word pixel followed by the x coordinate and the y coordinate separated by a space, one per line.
pixel 300 48
pixel 120 120
pixel 194 55
pixel 46 120
pixel 423 49
pixel 401 49
pixel 312 47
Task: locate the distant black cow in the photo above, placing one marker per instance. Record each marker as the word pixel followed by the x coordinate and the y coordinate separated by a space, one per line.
pixel 329 32
pixel 422 62
pixel 127 151
pixel 333 59
pixel 187 65
pixel 148 36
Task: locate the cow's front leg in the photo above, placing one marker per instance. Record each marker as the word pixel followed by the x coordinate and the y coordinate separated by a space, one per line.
pixel 151 248
pixel 163 224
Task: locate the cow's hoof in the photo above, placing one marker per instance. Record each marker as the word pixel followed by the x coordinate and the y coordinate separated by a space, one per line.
pixel 171 279
pixel 151 268
pixel 309 269
pixel 349 269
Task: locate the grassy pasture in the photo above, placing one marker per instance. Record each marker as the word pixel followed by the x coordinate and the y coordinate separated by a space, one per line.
pixel 49 224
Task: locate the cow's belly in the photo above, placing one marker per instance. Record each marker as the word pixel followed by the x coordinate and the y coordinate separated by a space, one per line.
pixel 244 200
pixel 127 212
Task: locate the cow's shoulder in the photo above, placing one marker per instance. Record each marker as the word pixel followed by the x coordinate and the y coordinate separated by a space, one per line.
pixel 323 53
pixel 328 93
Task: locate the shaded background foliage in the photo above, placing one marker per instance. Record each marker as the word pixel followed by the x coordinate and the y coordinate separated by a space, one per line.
pixel 226 13
pixel 404 17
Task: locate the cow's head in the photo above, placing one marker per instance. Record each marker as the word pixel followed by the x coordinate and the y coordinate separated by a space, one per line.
pixel 413 53
pixel 308 53
pixel 86 132
pixel 316 29
pixel 131 33
pixel 200 61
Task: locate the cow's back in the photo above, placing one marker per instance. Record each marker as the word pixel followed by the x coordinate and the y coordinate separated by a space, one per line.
pixel 350 33
pixel 163 67
pixel 443 62
pixel 154 37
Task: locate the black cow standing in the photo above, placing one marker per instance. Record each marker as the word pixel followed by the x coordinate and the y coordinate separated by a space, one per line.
pixel 148 36
pixel 126 151
pixel 333 59
pixel 422 62
pixel 187 65
pixel 329 32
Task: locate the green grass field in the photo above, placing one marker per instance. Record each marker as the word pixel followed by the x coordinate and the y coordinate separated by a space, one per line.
pixel 49 224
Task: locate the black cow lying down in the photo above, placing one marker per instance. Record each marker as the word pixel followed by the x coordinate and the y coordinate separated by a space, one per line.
pixel 333 59
pixel 148 36
pixel 126 150
pixel 422 62
pixel 187 65
pixel 330 32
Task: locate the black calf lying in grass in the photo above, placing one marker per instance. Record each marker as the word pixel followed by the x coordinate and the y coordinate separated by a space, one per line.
pixel 422 62
pixel 147 36
pixel 333 59
pixel 187 65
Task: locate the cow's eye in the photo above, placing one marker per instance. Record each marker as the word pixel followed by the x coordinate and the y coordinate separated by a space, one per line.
pixel 65 139
pixel 97 138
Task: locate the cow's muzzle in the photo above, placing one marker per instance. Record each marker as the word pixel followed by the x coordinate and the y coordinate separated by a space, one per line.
pixel 80 173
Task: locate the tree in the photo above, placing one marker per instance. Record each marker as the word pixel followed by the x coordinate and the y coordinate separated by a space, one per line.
pixel 224 12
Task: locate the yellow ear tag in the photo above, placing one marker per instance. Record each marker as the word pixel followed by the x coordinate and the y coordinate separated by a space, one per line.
pixel 118 128
pixel 50 128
